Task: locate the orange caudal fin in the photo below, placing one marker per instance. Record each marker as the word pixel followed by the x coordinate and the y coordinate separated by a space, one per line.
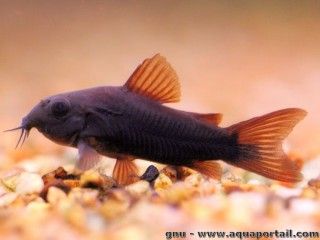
pixel 259 143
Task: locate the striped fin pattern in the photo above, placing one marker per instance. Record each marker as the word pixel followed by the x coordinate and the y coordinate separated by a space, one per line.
pixel 125 171
pixel 260 144
pixel 155 79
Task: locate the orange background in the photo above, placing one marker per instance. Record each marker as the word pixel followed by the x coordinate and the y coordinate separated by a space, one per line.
pixel 240 58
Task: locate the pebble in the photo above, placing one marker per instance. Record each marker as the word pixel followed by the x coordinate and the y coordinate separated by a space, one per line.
pixel 95 222
pixel 150 174
pixel 29 183
pixel 24 183
pixel 162 182
pixel 55 195
pixel 242 206
pixel 314 182
pixel 58 173
pixel 284 191
pixel 75 214
pixel 274 206
pixel 170 172
pixel 37 207
pixel 10 182
pixel 310 192
pixel 84 196
pixel 113 208
pixel 194 180
pixel 302 206
pixel 7 198
pixel 92 179
pixel 138 189
pixel 230 187
pixel 177 193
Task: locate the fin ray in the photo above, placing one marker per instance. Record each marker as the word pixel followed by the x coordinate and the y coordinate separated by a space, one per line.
pixel 210 118
pixel 209 168
pixel 125 171
pixel 264 135
pixel 156 79
pixel 88 157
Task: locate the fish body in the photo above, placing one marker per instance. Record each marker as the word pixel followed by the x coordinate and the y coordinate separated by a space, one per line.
pixel 135 125
pixel 130 122
pixel 119 122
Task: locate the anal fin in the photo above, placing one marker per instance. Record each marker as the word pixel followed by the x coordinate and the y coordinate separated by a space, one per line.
pixel 209 168
pixel 125 171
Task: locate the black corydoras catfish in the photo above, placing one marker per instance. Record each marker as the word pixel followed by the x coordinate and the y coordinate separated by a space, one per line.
pixel 130 122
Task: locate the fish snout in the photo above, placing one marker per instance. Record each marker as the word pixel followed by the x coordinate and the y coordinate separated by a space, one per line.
pixel 27 123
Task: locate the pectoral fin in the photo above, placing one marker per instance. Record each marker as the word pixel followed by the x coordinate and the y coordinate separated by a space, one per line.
pixel 88 157
pixel 125 171
pixel 155 79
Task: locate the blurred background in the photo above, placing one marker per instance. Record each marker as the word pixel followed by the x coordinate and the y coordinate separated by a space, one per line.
pixel 240 58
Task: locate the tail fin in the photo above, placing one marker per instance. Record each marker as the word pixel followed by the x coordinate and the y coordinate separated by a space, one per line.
pixel 260 144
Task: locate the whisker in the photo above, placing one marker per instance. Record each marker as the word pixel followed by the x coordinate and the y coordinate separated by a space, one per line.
pixel 22 132
pixel 24 137
pixel 14 129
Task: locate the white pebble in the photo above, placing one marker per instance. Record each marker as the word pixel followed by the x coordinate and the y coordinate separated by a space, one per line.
pixel 55 195
pixel 29 183
pixel 138 188
pixel 301 206
pixel 7 198
pixel 286 192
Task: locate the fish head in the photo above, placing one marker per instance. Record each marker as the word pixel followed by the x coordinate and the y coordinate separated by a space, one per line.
pixel 58 117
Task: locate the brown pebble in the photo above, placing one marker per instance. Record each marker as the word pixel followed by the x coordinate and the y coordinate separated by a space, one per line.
pixel 170 172
pixel 92 179
pixel 314 183
pixel 72 183
pixel 58 183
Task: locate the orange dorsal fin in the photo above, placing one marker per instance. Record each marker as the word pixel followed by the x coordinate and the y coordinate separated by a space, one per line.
pixel 211 118
pixel 156 79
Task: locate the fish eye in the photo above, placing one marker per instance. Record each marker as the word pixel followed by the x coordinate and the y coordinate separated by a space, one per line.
pixel 60 108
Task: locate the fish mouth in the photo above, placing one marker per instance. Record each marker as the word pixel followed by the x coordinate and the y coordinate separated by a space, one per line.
pixel 25 130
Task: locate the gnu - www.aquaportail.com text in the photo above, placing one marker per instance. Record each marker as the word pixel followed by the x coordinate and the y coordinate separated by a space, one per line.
pixel 242 235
